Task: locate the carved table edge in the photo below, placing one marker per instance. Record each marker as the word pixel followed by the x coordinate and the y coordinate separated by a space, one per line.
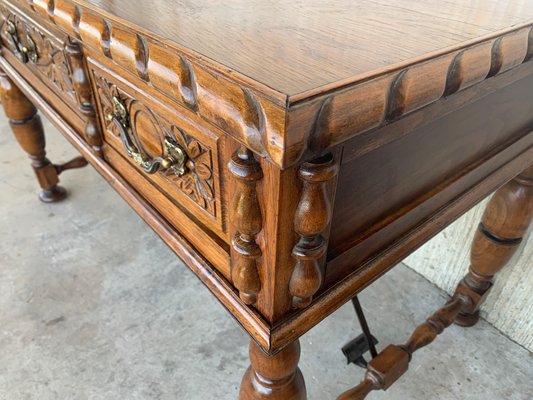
pixel 331 118
pixel 287 130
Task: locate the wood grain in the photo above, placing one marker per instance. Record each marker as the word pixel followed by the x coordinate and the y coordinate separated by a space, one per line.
pixel 328 301
pixel 441 151
pixel 446 258
pixel 83 91
pixel 150 122
pixel 390 364
pixel 343 133
pixel 247 220
pixel 313 215
pixel 505 220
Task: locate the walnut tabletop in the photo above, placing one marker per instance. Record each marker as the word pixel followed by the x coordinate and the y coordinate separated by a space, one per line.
pixel 289 152
pixel 300 48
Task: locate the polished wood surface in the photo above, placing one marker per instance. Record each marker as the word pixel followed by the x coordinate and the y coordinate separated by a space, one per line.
pixel 247 218
pixel 287 203
pixel 296 46
pixel 273 377
pixel 312 217
pixel 505 221
pixel 416 166
pixel 82 89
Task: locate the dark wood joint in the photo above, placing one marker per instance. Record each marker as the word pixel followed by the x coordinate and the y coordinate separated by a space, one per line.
pixel 47 175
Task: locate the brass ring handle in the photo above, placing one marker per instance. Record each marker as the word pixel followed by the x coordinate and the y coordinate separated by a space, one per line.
pixel 176 156
pixel 23 53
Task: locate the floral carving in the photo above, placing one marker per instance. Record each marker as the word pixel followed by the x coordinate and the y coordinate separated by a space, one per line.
pixel 198 181
pixel 50 62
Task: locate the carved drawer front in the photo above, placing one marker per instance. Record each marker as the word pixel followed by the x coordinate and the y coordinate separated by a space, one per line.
pixel 177 156
pixel 42 51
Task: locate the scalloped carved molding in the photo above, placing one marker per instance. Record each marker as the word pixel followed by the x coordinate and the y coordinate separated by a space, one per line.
pixel 368 105
pixel 266 121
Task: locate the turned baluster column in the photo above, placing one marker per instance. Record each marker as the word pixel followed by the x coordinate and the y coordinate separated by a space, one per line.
pixel 247 220
pixel 277 376
pixel 28 130
pixel 505 221
pixel 269 377
pixel 313 215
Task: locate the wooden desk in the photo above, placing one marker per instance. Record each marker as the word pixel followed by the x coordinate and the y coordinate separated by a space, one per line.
pixel 289 152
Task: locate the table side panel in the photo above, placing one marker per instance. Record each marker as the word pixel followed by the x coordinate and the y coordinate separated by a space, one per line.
pixel 385 193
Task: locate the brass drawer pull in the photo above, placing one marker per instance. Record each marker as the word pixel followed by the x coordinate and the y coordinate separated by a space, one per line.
pixel 175 158
pixel 23 53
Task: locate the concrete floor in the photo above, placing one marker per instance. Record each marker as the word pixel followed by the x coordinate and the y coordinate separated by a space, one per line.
pixel 94 306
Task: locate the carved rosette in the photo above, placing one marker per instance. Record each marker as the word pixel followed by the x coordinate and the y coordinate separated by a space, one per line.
pixel 247 219
pixel 313 215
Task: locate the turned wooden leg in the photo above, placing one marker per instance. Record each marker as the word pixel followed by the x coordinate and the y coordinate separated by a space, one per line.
pixel 273 377
pixel 28 130
pixel 505 221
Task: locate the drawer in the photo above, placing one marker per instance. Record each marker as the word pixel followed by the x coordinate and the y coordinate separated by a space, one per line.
pixel 174 154
pixel 41 51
